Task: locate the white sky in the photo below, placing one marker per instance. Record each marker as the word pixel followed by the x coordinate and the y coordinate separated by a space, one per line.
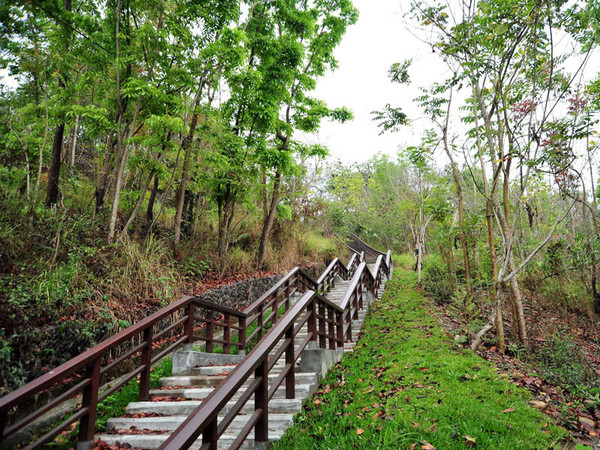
pixel 368 49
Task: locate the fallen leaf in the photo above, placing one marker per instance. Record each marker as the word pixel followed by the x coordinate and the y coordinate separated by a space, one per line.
pixel 508 410
pixel 470 441
pixel 360 431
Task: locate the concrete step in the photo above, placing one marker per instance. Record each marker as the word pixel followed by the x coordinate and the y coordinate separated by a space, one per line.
pixel 204 380
pixel 185 408
pixel 302 390
pixel 218 370
pixel 154 441
pixel 277 423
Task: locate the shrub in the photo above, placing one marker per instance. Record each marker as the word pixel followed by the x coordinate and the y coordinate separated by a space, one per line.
pixel 437 280
pixel 561 361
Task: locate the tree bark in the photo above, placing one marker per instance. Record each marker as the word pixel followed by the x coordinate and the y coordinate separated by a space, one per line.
pixel 187 148
pixel 269 219
pixel 54 169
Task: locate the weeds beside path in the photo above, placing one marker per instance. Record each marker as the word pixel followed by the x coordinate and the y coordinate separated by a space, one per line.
pixel 407 384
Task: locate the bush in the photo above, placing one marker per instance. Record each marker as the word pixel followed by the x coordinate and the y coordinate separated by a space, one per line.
pixel 437 280
pixel 561 361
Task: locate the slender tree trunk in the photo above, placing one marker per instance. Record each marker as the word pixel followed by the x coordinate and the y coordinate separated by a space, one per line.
pixel 123 150
pixel 74 143
pixel 139 202
pixel 490 195
pixel 54 169
pixel 269 219
pixel 57 145
pixel 461 221
pixel 151 200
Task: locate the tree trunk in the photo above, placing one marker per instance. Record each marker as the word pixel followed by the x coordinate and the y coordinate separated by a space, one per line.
pixel 54 169
pixel 151 200
pixel 187 148
pixel 269 219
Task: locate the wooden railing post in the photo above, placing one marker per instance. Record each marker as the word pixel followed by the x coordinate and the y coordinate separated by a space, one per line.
pixel 339 322
pixel 276 305
pixel 227 334
pixel 349 321
pixel 290 379
pixel 210 331
pixel 322 332
pixel 259 321
pixel 331 328
pixel 287 295
pixel 147 363
pixel 312 319
pixel 189 324
pixel 242 335
pixel 89 401
pixel 261 401
pixel 360 298
pixel 209 435
pixel 355 302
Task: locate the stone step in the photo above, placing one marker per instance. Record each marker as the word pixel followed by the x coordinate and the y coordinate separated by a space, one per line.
pixel 185 408
pixel 302 390
pixel 277 423
pixel 154 441
pixel 207 380
pixel 218 370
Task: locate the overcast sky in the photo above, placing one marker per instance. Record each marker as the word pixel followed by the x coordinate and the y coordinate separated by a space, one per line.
pixel 376 41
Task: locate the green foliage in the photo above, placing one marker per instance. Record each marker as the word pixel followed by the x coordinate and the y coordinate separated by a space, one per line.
pixel 561 361
pixel 437 280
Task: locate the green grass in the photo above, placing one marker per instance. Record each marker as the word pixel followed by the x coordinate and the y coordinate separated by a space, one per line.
pixel 408 382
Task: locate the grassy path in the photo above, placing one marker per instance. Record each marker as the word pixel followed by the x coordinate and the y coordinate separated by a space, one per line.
pixel 408 384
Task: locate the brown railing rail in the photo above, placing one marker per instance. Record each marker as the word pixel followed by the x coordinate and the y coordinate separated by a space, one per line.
pixel 329 325
pixel 186 321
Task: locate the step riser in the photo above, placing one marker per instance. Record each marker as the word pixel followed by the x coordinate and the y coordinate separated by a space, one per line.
pixel 301 378
pixel 277 423
pixel 302 390
pixel 289 406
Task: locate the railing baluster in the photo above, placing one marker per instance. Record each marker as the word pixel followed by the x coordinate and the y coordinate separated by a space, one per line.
pixel 147 363
pixel 209 435
pixel 276 305
pixel 242 334
pixel 227 334
pixel 322 341
pixel 290 379
pixel 89 401
pixel 189 324
pixel 259 321
pixel 210 331
pixel 261 401
pixel 339 321
pixel 331 328
pixel 312 320
pixel 349 321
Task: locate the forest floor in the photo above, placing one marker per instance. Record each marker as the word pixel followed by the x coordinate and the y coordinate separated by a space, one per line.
pixel 574 408
pixel 409 385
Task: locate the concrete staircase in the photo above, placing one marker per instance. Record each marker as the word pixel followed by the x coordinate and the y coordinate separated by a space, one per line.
pixel 148 424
